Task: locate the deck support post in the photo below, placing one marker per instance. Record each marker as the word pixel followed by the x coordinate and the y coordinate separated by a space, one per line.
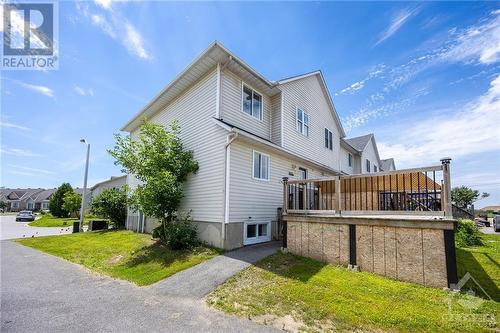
pixel 446 192
pixel 337 195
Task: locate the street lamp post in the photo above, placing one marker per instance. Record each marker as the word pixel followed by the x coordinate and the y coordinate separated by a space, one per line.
pixel 82 210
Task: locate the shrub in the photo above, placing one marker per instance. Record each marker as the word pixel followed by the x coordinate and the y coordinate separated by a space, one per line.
pixel 111 204
pixel 57 201
pixel 178 234
pixel 467 234
pixel 72 202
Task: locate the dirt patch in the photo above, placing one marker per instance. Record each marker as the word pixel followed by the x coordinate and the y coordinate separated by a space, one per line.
pixel 115 259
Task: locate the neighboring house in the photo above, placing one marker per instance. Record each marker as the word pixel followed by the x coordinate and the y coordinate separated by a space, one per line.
pixel 115 182
pixel 388 164
pixel 42 199
pixel 247 133
pixel 20 199
pixel 360 155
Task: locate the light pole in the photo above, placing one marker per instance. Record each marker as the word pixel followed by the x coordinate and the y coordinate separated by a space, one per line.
pixel 82 210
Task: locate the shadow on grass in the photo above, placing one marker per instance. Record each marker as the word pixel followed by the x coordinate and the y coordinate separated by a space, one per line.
pixel 466 262
pixel 158 253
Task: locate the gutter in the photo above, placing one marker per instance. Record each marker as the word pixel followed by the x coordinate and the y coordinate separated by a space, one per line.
pixel 227 182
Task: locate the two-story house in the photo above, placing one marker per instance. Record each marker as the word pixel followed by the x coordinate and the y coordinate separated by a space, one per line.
pixel 247 133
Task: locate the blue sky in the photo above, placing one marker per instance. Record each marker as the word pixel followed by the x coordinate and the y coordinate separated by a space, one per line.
pixel 424 77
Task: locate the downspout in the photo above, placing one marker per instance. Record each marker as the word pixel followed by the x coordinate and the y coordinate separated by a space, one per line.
pixel 227 182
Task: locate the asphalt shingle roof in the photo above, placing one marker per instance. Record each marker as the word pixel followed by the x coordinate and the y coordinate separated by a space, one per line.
pixel 359 143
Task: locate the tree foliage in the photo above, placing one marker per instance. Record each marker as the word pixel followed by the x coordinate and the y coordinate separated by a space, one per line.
pixel 57 200
pixel 111 204
pixel 72 202
pixel 159 161
pixel 464 196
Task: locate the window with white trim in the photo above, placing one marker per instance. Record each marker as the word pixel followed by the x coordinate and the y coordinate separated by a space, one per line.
pixel 349 159
pixel 375 169
pixel 367 165
pixel 252 102
pixel 260 166
pixel 328 139
pixel 302 121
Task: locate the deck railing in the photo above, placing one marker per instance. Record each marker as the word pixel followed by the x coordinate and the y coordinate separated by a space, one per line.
pixel 420 191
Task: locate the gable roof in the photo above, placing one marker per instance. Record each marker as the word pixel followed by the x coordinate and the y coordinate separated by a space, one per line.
pixel 326 91
pixel 113 178
pixel 214 54
pixel 386 164
pixel 360 142
pixel 45 195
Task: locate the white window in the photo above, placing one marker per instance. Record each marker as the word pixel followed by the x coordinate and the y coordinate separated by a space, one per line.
pixel 15 204
pixel 367 166
pixel 252 102
pixel 375 168
pixel 256 232
pixel 302 119
pixel 45 205
pixel 328 139
pixel 260 166
pixel 349 159
pixel 302 173
pixel 31 205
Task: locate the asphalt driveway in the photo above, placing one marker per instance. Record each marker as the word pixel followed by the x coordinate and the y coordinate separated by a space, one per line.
pixel 10 229
pixel 43 293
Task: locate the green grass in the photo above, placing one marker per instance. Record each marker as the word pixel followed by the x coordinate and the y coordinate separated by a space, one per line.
pixel 482 262
pixel 48 220
pixel 297 293
pixel 121 254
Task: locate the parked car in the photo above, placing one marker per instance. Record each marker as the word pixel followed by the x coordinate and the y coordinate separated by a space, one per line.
pixel 496 223
pixel 480 222
pixel 25 215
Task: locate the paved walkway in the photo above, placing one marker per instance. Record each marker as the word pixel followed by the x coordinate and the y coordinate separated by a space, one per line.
pixel 43 293
pixel 10 229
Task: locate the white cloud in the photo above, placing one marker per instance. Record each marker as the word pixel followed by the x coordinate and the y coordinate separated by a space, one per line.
pixel 82 91
pixel 478 43
pixel 7 124
pixel 373 73
pixel 474 129
pixel 115 25
pixel 18 152
pixel 44 90
pixel 47 172
pixel 397 22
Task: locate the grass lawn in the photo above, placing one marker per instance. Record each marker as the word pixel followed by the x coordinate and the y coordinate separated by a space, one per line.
pixel 48 220
pixel 121 254
pixel 296 293
pixel 482 262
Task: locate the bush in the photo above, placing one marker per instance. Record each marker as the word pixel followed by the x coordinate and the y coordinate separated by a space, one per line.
pixel 467 234
pixel 111 204
pixel 57 201
pixel 178 234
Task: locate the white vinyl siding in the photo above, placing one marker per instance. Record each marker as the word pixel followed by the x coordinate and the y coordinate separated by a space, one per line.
pixel 254 200
pixel 276 119
pixel 194 109
pixel 369 153
pixel 231 107
pixel 308 95
pixel 260 166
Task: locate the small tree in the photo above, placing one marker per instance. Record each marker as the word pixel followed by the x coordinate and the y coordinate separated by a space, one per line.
pixel 57 200
pixel 464 196
pixel 72 202
pixel 3 205
pixel 158 160
pixel 111 204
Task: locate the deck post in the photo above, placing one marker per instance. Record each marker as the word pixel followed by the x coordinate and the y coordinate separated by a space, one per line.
pixel 337 194
pixel 446 187
pixel 284 210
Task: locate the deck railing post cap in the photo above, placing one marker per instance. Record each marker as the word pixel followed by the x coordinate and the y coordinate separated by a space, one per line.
pixel 285 179
pixel 446 160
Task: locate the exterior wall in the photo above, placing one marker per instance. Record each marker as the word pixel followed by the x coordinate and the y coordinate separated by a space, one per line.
pixel 194 110
pixel 370 154
pixel 355 168
pixel 116 182
pixel 412 251
pixel 308 95
pixel 231 107
pixel 276 119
